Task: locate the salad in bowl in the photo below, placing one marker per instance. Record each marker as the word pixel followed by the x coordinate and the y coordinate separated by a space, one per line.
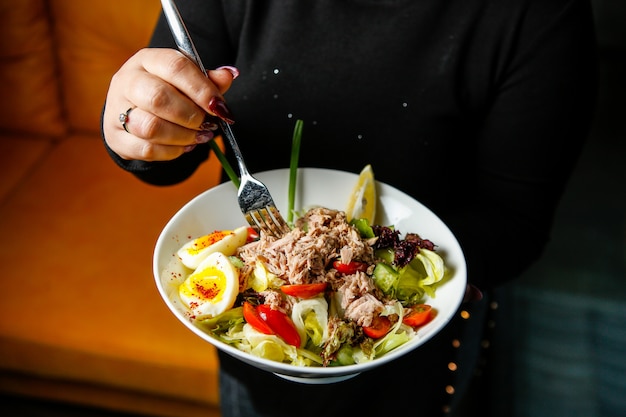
pixel 330 299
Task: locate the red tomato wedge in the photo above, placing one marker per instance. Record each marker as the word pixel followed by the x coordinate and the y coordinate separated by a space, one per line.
pixel 253 235
pixel 418 316
pixel 380 327
pixel 252 317
pixel 349 268
pixel 304 290
pixel 280 323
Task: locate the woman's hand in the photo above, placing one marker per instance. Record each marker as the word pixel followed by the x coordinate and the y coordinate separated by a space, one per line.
pixel 169 98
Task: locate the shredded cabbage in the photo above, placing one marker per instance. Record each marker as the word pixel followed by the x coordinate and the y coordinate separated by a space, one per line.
pixel 245 338
pixel 410 283
pixel 261 279
pixel 433 265
pixel 311 320
pixel 395 337
pixel 223 321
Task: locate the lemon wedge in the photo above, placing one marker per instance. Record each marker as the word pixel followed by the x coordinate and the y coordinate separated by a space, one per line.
pixel 362 202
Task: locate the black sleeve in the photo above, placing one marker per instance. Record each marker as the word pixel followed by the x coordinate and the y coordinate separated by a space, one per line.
pixel 530 141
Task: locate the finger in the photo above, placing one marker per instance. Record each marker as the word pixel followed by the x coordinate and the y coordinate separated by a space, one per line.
pixel 130 147
pixel 223 77
pixel 164 100
pixel 150 138
pixel 150 127
pixel 138 149
pixel 184 76
pixel 160 132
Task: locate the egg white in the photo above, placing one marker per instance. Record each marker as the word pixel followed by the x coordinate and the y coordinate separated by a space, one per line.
pixel 212 288
pixel 195 251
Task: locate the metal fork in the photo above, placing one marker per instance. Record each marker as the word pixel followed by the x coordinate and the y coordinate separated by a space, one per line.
pixel 254 198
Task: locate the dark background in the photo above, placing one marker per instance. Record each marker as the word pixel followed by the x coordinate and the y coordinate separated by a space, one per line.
pixel 559 343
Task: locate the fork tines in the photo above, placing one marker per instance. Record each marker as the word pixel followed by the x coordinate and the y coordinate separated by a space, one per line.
pixel 268 220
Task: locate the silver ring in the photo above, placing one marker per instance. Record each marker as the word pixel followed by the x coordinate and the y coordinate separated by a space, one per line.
pixel 124 118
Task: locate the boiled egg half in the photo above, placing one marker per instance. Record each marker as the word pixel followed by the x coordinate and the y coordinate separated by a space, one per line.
pixel 195 251
pixel 212 288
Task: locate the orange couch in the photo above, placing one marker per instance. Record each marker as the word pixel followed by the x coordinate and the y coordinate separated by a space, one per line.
pixel 80 317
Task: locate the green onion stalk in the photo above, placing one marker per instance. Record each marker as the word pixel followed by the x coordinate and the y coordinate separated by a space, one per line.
pixel 293 169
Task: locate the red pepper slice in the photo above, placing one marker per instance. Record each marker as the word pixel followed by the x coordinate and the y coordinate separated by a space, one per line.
pixel 280 323
pixel 253 235
pixel 379 328
pixel 418 316
pixel 304 290
pixel 350 268
pixel 251 316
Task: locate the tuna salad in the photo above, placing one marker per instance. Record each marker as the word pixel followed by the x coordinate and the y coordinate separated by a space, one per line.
pixel 328 293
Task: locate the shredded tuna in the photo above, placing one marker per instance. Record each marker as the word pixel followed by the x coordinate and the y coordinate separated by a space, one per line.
pixel 363 309
pixel 305 255
pixel 301 256
pixel 355 286
pixel 274 299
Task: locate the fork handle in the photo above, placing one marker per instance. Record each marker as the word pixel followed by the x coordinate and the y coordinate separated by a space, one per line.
pixel 243 170
pixel 180 33
pixel 186 47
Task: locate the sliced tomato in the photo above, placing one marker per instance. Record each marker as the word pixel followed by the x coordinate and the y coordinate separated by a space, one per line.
pixel 418 316
pixel 304 290
pixel 280 323
pixel 380 327
pixel 350 268
pixel 252 317
pixel 253 235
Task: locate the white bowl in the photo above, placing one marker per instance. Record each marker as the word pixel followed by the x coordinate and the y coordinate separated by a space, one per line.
pixel 217 209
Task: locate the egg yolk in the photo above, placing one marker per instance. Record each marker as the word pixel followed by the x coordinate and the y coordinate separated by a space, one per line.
pixel 206 241
pixel 208 284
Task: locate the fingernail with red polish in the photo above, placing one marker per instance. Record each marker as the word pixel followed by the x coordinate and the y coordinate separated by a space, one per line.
pixel 203 136
pixel 233 71
pixel 219 108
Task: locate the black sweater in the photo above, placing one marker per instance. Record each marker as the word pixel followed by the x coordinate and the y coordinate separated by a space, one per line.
pixel 477 108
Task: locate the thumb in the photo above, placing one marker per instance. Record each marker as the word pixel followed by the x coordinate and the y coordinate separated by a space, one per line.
pixel 223 77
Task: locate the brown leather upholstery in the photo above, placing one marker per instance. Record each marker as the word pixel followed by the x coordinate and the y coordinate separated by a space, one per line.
pixel 80 317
